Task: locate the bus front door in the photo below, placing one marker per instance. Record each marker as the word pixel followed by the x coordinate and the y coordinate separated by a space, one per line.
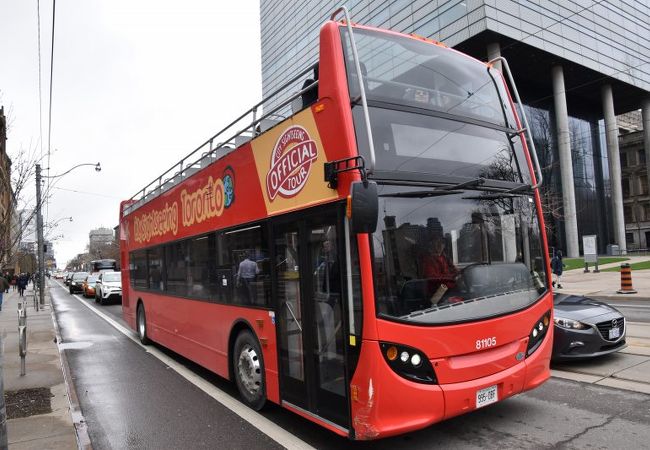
pixel 310 265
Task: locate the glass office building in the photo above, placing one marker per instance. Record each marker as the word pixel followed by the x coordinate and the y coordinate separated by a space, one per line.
pixel 578 64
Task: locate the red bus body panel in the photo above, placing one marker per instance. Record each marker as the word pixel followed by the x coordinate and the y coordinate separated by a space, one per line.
pixel 382 402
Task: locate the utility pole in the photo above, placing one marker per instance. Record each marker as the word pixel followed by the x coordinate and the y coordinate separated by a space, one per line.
pixel 39 237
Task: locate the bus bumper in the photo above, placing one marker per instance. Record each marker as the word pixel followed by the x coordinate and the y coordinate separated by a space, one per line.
pixel 385 404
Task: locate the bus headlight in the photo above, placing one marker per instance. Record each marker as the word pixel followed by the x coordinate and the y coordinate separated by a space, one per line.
pixel 538 332
pixel 408 363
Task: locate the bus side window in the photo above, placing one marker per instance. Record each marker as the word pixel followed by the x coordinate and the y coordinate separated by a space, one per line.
pixel 223 271
pixel 248 258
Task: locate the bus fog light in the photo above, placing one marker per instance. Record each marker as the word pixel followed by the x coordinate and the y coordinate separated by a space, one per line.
pixel 409 363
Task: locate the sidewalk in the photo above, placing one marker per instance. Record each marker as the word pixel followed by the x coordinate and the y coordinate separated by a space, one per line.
pixel 38 401
pixel 603 285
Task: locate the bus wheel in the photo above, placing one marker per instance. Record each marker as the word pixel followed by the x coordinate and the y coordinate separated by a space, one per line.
pixel 142 325
pixel 248 367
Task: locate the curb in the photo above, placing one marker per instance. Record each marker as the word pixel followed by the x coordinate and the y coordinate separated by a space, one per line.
pixel 80 427
pixel 604 298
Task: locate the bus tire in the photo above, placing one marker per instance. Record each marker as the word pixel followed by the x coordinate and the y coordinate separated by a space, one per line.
pixel 248 370
pixel 141 320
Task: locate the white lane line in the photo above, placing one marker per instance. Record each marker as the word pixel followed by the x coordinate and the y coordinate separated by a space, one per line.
pixel 275 432
pixel 627 305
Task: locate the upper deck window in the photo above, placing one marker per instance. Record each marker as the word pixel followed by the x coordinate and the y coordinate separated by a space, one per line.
pixel 405 71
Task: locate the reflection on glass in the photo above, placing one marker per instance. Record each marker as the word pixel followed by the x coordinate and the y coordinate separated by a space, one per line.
pixel 456 257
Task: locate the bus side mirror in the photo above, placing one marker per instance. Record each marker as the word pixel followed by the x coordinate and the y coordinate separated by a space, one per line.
pixel 364 207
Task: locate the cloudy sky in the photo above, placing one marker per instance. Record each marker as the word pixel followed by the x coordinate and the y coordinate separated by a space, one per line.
pixel 137 85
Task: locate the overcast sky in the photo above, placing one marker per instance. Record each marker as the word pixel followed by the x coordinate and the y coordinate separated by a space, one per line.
pixel 138 84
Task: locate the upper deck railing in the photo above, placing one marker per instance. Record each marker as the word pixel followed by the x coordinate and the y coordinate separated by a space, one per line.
pixel 286 100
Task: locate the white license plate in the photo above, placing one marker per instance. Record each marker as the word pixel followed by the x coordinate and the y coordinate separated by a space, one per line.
pixel 486 396
pixel 614 333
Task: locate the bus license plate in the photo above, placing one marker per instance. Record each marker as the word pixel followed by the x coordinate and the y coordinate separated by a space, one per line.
pixel 614 333
pixel 486 396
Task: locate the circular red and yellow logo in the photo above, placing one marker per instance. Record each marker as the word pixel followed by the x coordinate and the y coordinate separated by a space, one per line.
pixel 291 161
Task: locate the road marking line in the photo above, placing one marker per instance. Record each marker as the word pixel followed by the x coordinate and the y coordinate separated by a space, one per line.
pixel 627 305
pixel 275 432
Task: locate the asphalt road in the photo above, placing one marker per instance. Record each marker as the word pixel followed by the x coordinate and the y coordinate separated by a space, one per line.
pixel 633 310
pixel 132 399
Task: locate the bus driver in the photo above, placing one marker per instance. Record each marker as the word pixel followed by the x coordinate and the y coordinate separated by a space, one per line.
pixel 438 269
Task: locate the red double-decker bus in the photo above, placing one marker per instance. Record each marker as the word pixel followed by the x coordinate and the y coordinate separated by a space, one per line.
pixel 367 252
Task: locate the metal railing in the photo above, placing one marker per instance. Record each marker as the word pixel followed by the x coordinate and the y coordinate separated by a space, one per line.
pixel 246 127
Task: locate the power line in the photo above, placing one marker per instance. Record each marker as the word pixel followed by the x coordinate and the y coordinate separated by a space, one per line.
pixel 40 90
pixel 87 193
pixel 49 126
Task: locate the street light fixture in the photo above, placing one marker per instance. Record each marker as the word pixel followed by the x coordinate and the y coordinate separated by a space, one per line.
pixel 39 222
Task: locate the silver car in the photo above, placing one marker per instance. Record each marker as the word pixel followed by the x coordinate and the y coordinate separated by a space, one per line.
pixel 108 287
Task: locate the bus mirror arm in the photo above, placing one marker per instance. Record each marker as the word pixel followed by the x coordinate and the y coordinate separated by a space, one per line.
pixel 526 128
pixel 334 168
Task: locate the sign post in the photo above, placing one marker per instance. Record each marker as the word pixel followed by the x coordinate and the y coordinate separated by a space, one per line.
pixel 590 251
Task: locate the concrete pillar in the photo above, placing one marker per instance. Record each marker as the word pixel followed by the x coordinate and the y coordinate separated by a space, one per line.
pixel 645 111
pixel 494 51
pixel 613 155
pixel 566 163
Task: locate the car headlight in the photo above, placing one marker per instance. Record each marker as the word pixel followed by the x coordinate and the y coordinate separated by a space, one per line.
pixel 569 324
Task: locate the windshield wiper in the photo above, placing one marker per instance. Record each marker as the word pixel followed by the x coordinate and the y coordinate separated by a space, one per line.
pixel 421 194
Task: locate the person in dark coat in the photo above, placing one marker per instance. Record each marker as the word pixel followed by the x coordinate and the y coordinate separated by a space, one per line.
pixel 557 267
pixel 23 280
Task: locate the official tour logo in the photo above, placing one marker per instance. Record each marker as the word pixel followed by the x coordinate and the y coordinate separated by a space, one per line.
pixel 291 161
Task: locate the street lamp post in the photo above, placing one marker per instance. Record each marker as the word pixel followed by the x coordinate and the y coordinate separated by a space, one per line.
pixel 39 224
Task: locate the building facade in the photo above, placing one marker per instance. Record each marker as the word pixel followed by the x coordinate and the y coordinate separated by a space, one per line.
pixel 7 204
pixel 578 64
pixel 99 239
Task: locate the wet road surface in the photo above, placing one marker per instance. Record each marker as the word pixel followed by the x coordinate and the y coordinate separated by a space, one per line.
pixel 131 399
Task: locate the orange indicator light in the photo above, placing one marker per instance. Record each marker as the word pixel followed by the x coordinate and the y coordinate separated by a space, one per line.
pixel 320 107
pixel 391 353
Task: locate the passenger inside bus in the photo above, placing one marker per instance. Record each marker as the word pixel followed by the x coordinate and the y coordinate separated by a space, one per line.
pixel 246 274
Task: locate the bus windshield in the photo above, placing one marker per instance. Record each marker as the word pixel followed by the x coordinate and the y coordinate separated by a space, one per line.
pixel 433 111
pixel 405 71
pixel 455 256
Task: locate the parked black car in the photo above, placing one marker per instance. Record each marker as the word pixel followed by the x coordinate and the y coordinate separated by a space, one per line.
pixel 77 281
pixel 586 328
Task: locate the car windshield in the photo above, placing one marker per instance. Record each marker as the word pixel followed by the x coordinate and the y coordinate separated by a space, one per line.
pixel 111 276
pixel 91 279
pixel 446 256
pixel 80 276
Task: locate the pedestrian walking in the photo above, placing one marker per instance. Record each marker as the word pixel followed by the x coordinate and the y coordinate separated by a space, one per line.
pixel 557 267
pixel 22 284
pixel 4 286
pixel 7 277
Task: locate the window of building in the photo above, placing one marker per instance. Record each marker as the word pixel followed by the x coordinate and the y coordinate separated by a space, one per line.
pixel 643 184
pixel 641 156
pixel 623 160
pixel 629 238
pixel 176 259
pixel 138 269
pixel 627 212
pixel 625 182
